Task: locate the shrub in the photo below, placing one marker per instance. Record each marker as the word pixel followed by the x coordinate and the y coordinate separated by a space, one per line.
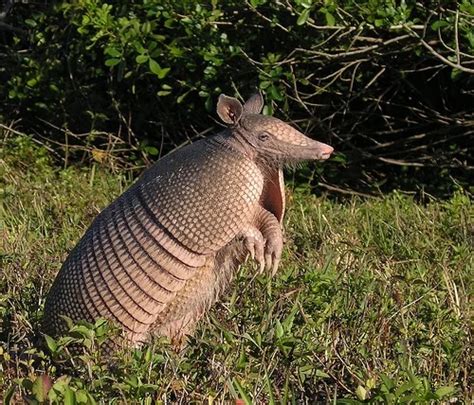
pixel 388 83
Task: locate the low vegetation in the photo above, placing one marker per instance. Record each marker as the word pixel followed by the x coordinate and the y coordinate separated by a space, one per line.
pixel 370 304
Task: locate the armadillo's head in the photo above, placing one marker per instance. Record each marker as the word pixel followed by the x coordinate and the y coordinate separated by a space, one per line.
pixel 271 139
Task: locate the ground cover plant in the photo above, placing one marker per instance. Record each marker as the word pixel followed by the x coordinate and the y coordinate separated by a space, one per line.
pixel 388 83
pixel 370 304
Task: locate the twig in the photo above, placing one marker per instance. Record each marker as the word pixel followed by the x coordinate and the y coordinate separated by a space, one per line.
pixel 400 162
pixel 343 191
pixel 10 129
pixel 411 303
pixel 265 17
pixel 8 27
pixel 441 39
pixel 6 9
pixel 354 52
pixel 438 55
pixel 374 79
pixel 456 37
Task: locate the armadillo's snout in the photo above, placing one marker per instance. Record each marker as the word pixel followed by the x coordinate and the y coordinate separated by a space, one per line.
pixel 325 151
pixel 321 150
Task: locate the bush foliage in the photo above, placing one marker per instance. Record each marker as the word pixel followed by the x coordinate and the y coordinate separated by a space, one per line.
pixel 388 83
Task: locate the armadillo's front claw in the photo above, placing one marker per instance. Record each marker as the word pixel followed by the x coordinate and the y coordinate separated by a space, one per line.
pixel 268 261
pixel 251 248
pixel 273 251
pixel 255 244
pixel 259 256
pixel 276 262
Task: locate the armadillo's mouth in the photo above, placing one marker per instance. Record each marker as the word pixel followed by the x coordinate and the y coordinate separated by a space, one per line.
pixel 325 155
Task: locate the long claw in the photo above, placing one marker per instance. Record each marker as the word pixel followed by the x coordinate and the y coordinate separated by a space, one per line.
pixel 260 256
pixel 251 249
pixel 276 262
pixel 262 267
pixel 268 262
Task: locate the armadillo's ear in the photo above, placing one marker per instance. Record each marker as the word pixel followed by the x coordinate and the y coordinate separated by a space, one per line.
pixel 254 104
pixel 229 109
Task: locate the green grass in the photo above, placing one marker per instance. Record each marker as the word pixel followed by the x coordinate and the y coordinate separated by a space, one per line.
pixel 370 303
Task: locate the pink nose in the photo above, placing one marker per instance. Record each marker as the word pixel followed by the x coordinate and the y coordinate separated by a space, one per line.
pixel 326 150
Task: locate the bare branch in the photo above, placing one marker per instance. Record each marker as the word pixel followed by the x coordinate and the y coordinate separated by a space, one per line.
pixel 438 55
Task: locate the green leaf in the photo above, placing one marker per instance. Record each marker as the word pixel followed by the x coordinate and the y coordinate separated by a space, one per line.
pixel 9 395
pixel 82 331
pixel 30 22
pixel 303 17
pixel 164 72
pixel 208 104
pixel 288 321
pixel 40 387
pixel 436 25
pixel 81 397
pixel 321 374
pixel 181 98
pixel 163 93
pixel 456 73
pixel 403 388
pixel 275 93
pixel 444 391
pixel 278 329
pixel 330 20
pixel 32 82
pixel 68 321
pixel 361 392
pixel 271 398
pixel 148 354
pixel 114 52
pixel 157 69
pixel 69 397
pixel 154 66
pixel 133 381
pixel 470 38
pixel 151 150
pixel 141 58
pixel 51 343
pixel 146 27
pixel 467 7
pixel 378 22
pixel 267 110
pixel 112 62
pixel 242 392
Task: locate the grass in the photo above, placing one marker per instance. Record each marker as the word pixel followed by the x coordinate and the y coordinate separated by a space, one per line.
pixel 370 304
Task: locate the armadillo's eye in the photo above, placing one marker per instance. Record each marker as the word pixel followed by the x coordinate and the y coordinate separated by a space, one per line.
pixel 263 136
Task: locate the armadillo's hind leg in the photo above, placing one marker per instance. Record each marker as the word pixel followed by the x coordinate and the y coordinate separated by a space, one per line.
pixel 180 316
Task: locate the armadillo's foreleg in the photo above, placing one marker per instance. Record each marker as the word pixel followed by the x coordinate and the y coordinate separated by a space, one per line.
pixel 264 240
pixel 271 231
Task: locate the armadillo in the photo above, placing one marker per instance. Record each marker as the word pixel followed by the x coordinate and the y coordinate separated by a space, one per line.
pixel 163 252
